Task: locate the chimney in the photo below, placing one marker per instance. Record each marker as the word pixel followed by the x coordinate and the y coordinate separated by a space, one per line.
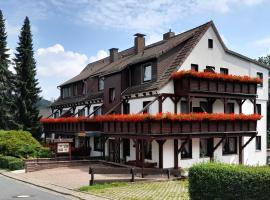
pixel 168 35
pixel 139 42
pixel 113 54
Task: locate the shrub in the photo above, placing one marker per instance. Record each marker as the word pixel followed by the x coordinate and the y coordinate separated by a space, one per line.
pixel 11 163
pixel 223 181
pixel 20 144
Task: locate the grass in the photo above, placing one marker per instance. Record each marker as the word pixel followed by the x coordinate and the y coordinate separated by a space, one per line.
pixel 164 190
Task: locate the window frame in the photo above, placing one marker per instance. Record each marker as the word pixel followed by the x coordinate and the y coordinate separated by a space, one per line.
pixel 226 70
pixel 112 95
pixel 258 143
pixel 208 67
pixel 225 146
pixel 144 66
pixel 97 143
pixel 196 67
pixel 228 107
pixel 260 76
pixel 259 108
pixel 210 43
pixel 209 142
pixel 189 155
pixel 101 79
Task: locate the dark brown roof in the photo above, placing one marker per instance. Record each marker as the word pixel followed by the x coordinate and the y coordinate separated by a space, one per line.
pixel 80 99
pixel 128 57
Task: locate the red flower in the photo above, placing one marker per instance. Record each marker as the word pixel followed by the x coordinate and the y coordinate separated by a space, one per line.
pixel 214 76
pixel 157 117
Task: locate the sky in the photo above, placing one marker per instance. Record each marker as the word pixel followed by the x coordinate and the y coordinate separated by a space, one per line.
pixel 69 34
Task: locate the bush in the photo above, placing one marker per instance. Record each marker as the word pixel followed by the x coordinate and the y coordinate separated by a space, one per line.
pixel 21 144
pixel 11 163
pixel 224 182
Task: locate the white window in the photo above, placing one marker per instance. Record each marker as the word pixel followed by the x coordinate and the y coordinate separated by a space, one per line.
pixel 147 72
pixel 101 84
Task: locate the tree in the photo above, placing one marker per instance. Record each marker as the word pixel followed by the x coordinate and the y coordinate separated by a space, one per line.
pixel 6 83
pixel 26 84
pixel 264 60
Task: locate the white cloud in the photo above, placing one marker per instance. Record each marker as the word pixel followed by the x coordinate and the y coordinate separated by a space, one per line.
pixel 265 42
pixel 12 29
pixel 55 61
pixel 100 54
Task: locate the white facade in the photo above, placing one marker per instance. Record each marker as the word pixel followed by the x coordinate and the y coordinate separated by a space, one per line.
pixel 219 58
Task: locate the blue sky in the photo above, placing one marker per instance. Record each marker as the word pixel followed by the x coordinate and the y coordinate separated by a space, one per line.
pixel 69 35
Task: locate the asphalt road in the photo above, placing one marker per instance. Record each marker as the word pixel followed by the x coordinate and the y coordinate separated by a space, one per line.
pixel 12 190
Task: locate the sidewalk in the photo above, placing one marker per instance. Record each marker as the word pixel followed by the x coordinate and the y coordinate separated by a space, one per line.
pixel 51 187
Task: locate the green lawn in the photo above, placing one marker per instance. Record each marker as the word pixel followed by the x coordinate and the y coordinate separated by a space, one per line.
pixel 141 190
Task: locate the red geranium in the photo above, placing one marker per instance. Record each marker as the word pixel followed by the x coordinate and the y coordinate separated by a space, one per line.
pixel 215 76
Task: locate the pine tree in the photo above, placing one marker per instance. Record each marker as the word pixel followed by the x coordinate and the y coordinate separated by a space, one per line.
pixel 6 83
pixel 27 90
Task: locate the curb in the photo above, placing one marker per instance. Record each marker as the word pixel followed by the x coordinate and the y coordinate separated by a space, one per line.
pixel 53 189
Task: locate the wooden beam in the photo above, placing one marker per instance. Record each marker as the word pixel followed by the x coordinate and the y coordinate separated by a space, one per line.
pixel 250 139
pixel 240 142
pixel 160 152
pixel 175 142
pixel 215 147
pixel 148 105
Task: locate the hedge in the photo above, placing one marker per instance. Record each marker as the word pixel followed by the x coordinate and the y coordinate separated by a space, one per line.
pixel 11 163
pixel 21 144
pixel 218 181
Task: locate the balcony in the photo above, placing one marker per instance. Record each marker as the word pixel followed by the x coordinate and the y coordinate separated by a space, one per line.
pixel 188 82
pixel 193 124
pixel 163 124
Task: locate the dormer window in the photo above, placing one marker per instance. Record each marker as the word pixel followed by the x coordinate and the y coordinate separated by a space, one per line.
pixel 210 43
pixel 101 84
pixel 111 94
pixel 147 72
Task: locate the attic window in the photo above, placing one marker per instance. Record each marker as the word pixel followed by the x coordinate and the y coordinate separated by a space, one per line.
pixel 210 43
pixel 147 72
pixel 194 67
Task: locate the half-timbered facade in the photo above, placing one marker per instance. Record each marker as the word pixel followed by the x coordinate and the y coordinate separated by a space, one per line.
pixel 183 100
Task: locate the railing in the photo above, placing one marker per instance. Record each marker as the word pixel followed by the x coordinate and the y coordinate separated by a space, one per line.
pixel 187 85
pixel 165 127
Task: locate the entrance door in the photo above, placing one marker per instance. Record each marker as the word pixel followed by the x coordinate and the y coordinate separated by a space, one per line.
pixel 114 150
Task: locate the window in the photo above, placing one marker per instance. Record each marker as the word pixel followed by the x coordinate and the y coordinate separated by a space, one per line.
pixel 205 107
pixel 210 43
pixel 230 146
pixel 210 69
pixel 224 71
pixel 101 84
pixel 97 112
pixel 186 152
pixel 148 150
pixel 145 104
pixel 126 147
pixel 258 143
pixel 229 108
pixel 194 67
pixel 259 109
pixel 184 108
pixel 81 112
pixel 260 76
pixel 56 114
pixel 66 92
pixel 111 94
pixel 126 108
pixel 206 146
pixel 147 72
pixel 97 144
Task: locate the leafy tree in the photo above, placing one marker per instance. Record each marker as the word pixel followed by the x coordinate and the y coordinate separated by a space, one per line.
pixel 6 83
pixel 27 90
pixel 264 60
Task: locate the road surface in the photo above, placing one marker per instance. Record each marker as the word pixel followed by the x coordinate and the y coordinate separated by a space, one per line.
pixel 12 190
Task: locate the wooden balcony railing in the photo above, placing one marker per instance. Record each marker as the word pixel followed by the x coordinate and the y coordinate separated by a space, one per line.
pixel 159 124
pixel 166 127
pixel 208 82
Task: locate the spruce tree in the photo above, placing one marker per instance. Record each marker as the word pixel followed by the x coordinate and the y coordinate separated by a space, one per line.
pixel 6 80
pixel 27 90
